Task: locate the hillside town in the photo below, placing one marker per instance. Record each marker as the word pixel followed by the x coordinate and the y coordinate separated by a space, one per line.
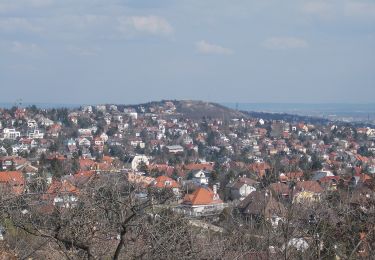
pixel 224 186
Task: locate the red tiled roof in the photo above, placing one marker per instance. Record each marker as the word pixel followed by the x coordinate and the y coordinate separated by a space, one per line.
pixel 202 196
pixel 280 188
pixel 312 186
pixel 199 166
pixel 86 163
pixel 162 182
pixel 329 178
pixel 61 187
pixel 167 169
pixel 13 178
pixel 294 175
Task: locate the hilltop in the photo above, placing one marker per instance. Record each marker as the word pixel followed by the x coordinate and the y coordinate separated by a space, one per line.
pixel 199 109
pixel 195 109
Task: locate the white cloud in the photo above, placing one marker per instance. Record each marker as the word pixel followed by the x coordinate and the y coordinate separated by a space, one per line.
pixel 360 9
pixel 146 24
pixel 18 24
pixel 320 8
pixel 282 43
pixel 209 48
pixel 25 48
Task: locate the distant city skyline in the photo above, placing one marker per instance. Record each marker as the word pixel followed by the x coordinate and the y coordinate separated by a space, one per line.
pixel 134 51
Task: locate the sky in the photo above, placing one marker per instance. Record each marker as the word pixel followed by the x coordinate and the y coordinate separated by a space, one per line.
pixel 133 51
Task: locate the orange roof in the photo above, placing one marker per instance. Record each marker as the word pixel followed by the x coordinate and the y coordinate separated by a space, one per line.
pixel 202 196
pixel 61 187
pixel 165 182
pixel 280 188
pixel 11 177
pixel 142 180
pixel 14 179
pixel 107 159
pixel 199 166
pixel 311 186
pixel 167 169
pixel 293 175
pixel 86 163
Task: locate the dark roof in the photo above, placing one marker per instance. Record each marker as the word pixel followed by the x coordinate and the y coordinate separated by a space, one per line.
pixel 261 203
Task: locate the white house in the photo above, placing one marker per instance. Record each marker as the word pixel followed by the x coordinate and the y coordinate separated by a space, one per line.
pixel 241 188
pixel 36 134
pixel 101 108
pixel 87 109
pixel 201 202
pixel 31 123
pixel 84 142
pixel 200 177
pixel 175 149
pixel 11 133
pixel 135 161
pixel 46 121
pixel 104 137
pixel 85 132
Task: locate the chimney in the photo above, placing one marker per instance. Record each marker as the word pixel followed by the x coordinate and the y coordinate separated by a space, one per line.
pixel 215 189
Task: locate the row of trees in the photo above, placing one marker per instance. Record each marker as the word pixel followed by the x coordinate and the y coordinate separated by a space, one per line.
pixel 110 221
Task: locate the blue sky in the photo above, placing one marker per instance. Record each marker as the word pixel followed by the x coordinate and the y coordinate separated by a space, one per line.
pixel 130 51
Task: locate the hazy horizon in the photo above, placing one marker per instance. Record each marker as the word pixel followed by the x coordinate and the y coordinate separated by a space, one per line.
pixel 135 51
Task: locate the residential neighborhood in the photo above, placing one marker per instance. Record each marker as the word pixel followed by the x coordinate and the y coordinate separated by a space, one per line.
pixel 219 170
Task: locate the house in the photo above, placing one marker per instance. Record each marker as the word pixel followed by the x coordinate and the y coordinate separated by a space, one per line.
pixel 240 189
pixel 71 144
pixel 84 142
pixel 85 132
pixel 140 179
pixel 3 151
pixel 359 179
pixel 311 186
pixel 104 137
pixel 86 164
pixel 20 113
pixel 165 182
pixel 174 149
pixel 98 144
pixel 12 182
pixel 200 177
pixel 307 191
pixel 321 174
pixel 11 133
pixel 62 194
pixel 260 205
pixel 54 130
pixel 101 108
pixel 31 123
pixel 45 121
pixel 280 190
pixel 259 168
pixel 8 162
pixel 35 134
pixel 207 166
pixel 330 182
pixel 291 176
pixel 133 162
pixel 135 142
pixel 87 109
pixel 202 202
